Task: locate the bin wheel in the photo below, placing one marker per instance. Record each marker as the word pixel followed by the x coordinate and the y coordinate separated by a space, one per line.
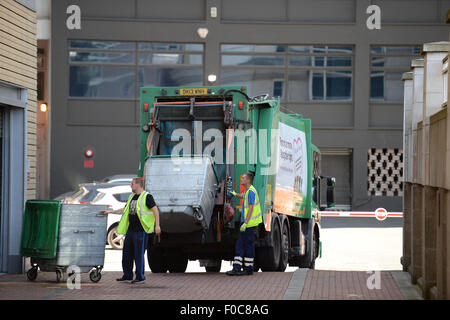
pixel 59 275
pixel 32 274
pixel 95 275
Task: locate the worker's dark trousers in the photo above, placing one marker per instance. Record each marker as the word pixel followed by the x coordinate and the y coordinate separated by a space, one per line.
pixel 134 250
pixel 245 250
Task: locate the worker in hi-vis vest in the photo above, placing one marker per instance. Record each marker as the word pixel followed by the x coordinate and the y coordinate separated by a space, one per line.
pixel 250 219
pixel 140 216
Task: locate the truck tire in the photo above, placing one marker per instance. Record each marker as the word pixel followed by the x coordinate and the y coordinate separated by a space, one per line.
pixel 156 260
pixel 269 257
pixel 215 268
pixel 284 248
pixel 176 261
pixel 315 249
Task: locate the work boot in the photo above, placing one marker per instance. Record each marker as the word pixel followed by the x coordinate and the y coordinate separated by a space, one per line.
pixel 123 280
pixel 247 272
pixel 137 281
pixel 234 272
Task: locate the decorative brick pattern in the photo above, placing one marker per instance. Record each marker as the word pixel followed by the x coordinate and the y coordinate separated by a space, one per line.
pixel 385 172
pixel 348 285
pixel 185 286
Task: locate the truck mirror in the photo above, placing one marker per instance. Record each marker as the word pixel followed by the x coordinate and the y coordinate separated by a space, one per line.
pixel 331 182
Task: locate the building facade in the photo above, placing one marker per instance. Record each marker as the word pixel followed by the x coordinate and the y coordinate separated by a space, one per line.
pixel 18 101
pixel 322 58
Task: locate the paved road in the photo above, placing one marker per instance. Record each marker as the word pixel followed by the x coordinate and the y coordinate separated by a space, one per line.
pixel 361 244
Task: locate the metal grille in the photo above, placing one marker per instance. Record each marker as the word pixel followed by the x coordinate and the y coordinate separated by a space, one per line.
pixel 385 172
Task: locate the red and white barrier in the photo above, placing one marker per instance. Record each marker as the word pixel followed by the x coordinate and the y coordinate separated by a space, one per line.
pixel 381 214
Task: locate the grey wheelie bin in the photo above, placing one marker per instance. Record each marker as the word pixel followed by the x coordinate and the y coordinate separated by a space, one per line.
pixel 57 235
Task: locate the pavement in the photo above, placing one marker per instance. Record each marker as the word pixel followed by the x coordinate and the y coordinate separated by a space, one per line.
pixel 303 284
pixel 360 261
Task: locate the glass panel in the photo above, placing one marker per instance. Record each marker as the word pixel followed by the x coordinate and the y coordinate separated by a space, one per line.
pixel 257 81
pixel 106 45
pixel 278 88
pixel 393 50
pixel 348 50
pixel 300 49
pixel 232 60
pixel 317 86
pixel 339 85
pixel 305 85
pixel 377 85
pixel 154 76
pixel 386 86
pixel 102 81
pixel 153 46
pixel 391 61
pixel 319 49
pixel 319 61
pixel 169 58
pixel 251 48
pixel 101 57
pixel 339 61
pixel 301 61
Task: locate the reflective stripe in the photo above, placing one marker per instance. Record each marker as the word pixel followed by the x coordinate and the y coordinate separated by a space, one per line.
pixel 249 259
pixel 237 262
pixel 255 217
pixel 248 264
pixel 238 258
pixel 147 212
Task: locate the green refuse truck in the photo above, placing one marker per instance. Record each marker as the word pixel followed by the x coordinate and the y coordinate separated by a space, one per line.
pixel 196 143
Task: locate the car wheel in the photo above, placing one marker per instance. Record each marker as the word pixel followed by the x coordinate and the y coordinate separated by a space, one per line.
pixel 114 239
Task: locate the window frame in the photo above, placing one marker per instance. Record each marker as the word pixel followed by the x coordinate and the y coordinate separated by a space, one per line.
pixel 135 65
pixel 287 68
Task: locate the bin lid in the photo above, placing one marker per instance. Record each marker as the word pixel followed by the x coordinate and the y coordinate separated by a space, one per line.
pixel 40 228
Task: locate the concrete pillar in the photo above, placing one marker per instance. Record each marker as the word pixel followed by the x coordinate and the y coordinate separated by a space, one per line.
pixel 433 86
pixel 445 200
pixel 442 244
pixel 429 242
pixel 407 248
pixel 417 222
pixel 407 168
pixel 417 234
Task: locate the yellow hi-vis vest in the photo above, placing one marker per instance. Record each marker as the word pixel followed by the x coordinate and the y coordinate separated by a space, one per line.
pixel 145 215
pixel 256 217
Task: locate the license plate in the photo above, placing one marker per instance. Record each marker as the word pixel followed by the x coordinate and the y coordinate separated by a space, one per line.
pixel 193 91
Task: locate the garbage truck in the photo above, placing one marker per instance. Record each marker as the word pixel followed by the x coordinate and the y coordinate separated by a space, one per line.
pixel 195 144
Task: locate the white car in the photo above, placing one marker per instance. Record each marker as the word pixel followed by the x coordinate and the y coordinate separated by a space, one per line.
pixel 116 198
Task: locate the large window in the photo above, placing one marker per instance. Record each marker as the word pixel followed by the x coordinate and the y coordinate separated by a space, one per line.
pixel 162 64
pixel 117 69
pixel 388 63
pixel 294 73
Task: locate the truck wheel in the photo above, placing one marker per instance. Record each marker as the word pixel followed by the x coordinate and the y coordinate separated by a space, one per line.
pixel 315 249
pixel 215 268
pixel 284 251
pixel 176 261
pixel 156 260
pixel 269 257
